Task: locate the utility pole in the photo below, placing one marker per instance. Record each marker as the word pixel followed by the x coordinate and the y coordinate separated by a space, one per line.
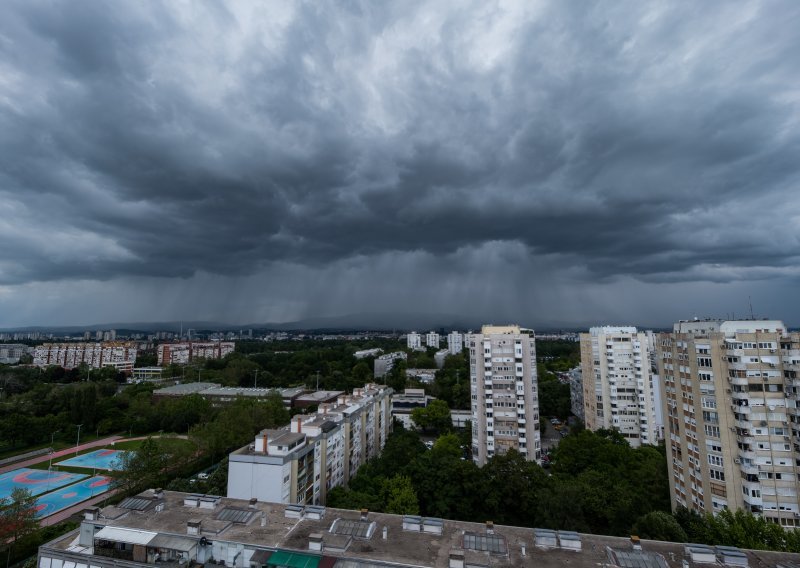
pixel 317 380
pixel 78 442
pixel 255 380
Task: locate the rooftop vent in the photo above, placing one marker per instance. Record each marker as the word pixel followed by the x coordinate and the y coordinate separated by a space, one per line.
pixel 433 526
pixel 314 512
pixel 456 559
pixel 193 527
pixel 545 538
pixel 569 540
pixel 315 542
pixel 158 493
pixel 91 514
pixel 412 523
pixel 293 511
pixel 364 514
pixel 489 527
pixel 253 502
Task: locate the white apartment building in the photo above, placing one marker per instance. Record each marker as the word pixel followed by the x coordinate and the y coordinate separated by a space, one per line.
pixel 730 398
pixel 576 393
pixel 185 352
pixel 120 355
pixel 414 340
pixel 11 353
pixel 318 451
pixel 455 342
pixel 432 339
pixel 505 399
pixel 618 387
pixel 386 363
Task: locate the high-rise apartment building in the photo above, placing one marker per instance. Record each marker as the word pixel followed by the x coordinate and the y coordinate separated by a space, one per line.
pixel 619 390
pixel 414 340
pixel 432 339
pixel 731 407
pixel 455 342
pixel 505 399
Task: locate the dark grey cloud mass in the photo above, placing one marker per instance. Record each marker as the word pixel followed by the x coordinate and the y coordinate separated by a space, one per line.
pixel 537 161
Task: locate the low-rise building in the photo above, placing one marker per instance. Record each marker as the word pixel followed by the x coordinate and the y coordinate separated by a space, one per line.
pixel 147 374
pixel 318 452
pixel 222 396
pixel 316 398
pixel 425 376
pixel 171 529
pixel 404 404
pixel 363 354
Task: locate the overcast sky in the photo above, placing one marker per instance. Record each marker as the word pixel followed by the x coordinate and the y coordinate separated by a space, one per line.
pixel 540 162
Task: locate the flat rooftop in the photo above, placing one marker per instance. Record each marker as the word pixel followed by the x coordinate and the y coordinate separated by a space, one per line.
pixel 369 547
pixel 185 388
pixel 319 396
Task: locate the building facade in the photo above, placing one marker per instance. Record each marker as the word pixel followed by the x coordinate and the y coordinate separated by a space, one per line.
pixel 455 342
pixel 730 398
pixel 576 393
pixel 504 391
pixel 186 352
pixel 619 390
pixel 118 354
pixel 317 453
pixel 432 339
pixel 413 340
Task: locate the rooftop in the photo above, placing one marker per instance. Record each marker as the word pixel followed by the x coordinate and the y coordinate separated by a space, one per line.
pixel 348 539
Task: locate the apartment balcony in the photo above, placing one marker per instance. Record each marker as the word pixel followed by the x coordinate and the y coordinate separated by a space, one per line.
pixel 749 469
pixel 739 381
pixel 746 455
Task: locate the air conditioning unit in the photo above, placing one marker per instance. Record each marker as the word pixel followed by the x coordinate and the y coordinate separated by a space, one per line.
pixel 737 460
pixel 772 351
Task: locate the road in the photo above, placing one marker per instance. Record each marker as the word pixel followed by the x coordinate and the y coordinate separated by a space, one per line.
pixel 550 436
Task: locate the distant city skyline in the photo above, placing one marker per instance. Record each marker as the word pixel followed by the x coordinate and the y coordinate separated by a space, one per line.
pixel 542 163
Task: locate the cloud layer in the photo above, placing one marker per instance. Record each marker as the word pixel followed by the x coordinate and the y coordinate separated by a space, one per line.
pixel 529 151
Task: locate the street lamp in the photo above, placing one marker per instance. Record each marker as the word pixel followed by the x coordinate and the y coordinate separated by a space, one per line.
pixel 255 380
pixel 77 443
pixel 52 437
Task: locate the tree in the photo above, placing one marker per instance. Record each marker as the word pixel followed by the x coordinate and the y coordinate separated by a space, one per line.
pixel 17 517
pixel 659 525
pixel 436 416
pixel 401 499
pixel 142 468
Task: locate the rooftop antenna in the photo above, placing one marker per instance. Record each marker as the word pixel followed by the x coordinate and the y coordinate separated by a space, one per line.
pixel 750 301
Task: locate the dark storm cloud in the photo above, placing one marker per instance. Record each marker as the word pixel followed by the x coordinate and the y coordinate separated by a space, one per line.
pixel 658 142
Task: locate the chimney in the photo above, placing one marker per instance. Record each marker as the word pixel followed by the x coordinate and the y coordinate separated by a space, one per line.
pixel 299 425
pixel 364 513
pixel 253 502
pixel 266 439
pixel 489 527
pixel 193 527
